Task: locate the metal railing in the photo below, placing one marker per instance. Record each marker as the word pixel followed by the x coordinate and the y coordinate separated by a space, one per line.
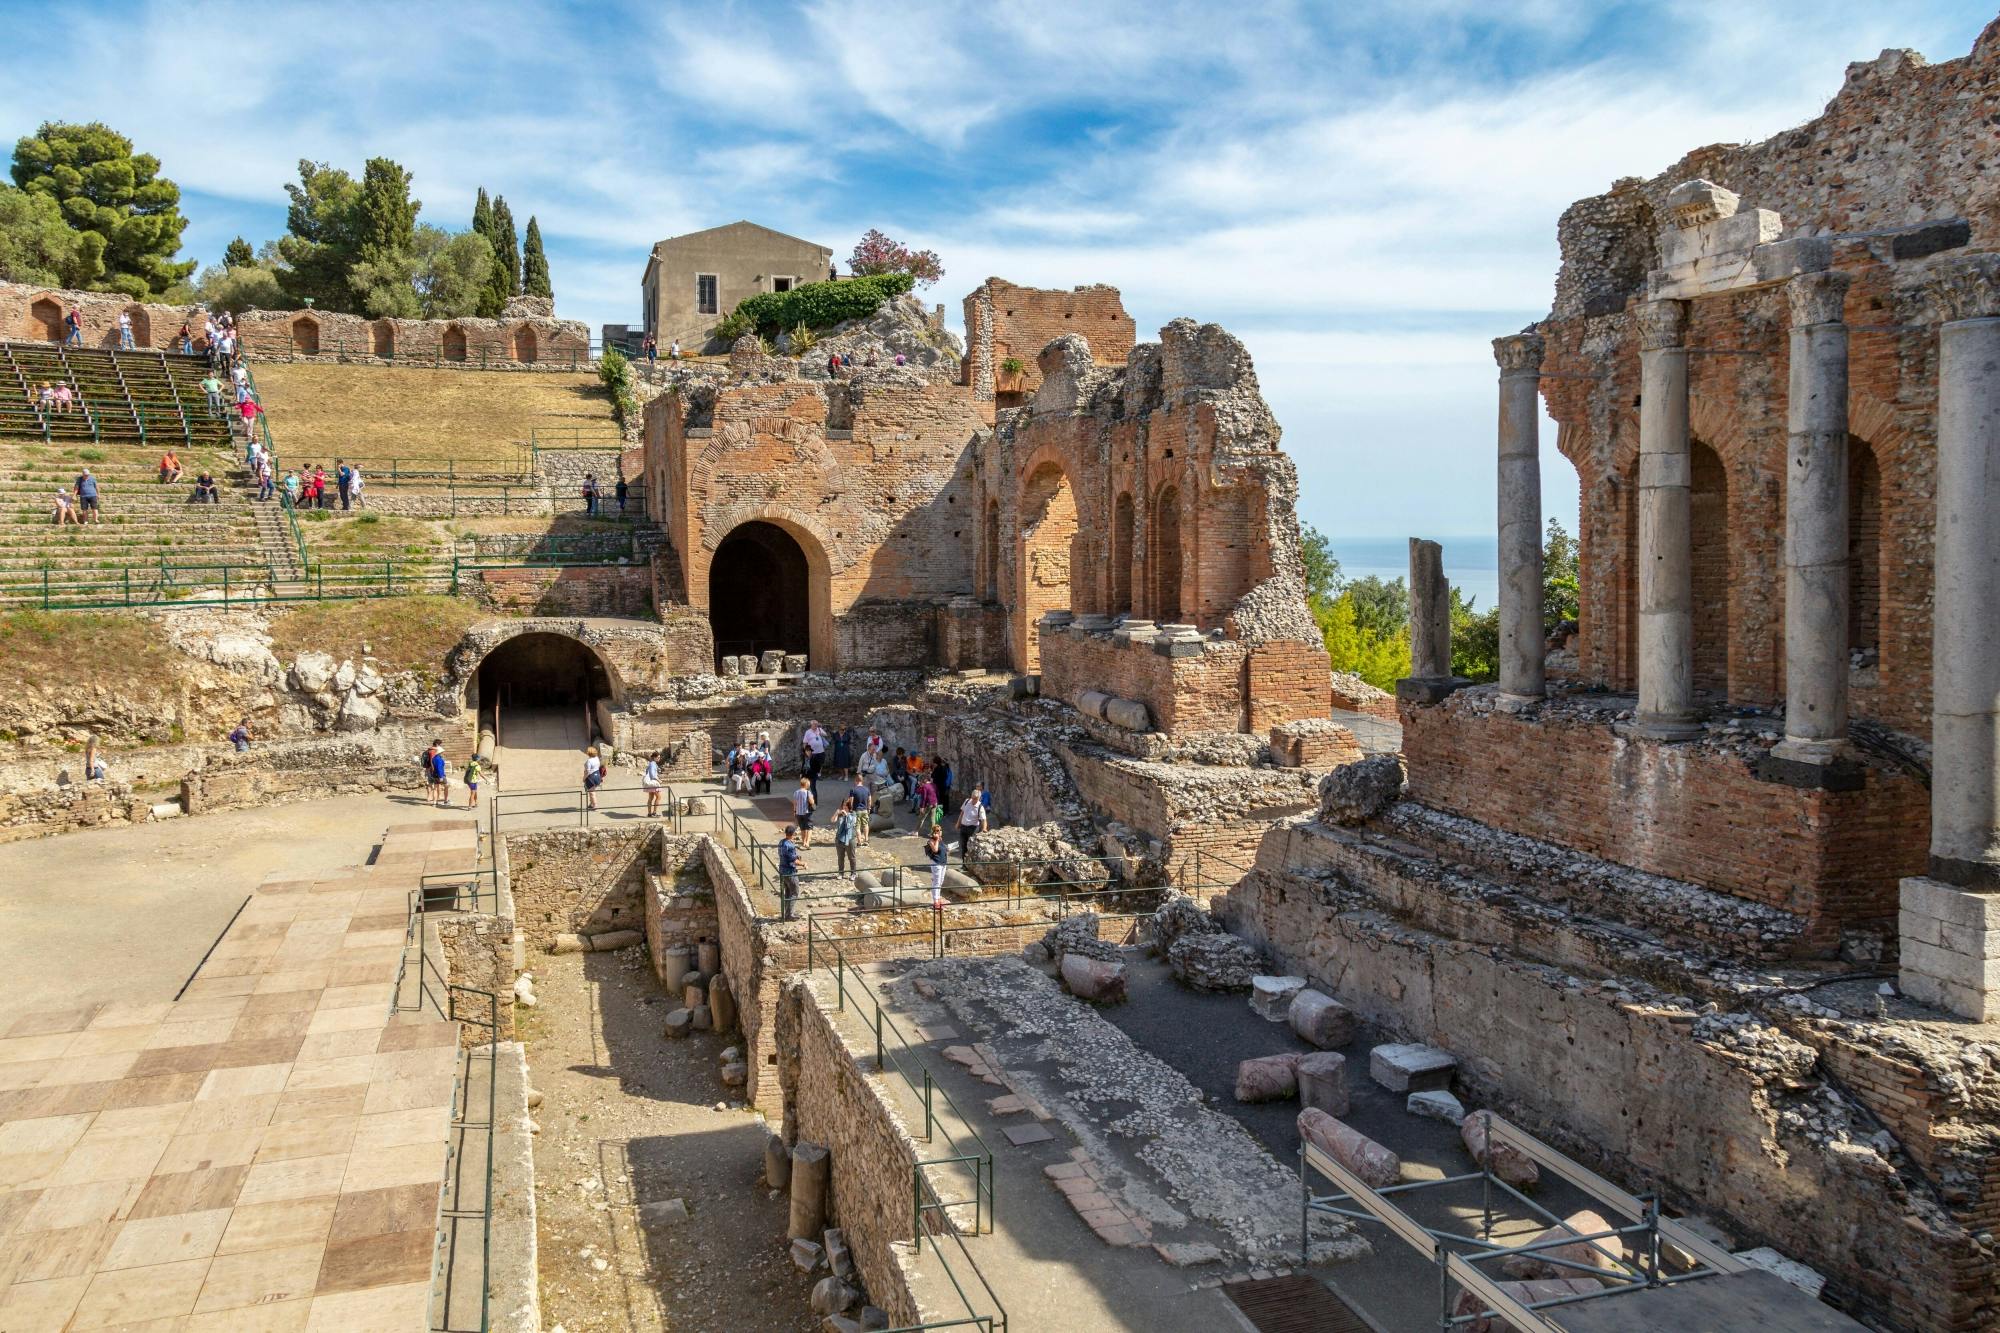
pixel 965 1153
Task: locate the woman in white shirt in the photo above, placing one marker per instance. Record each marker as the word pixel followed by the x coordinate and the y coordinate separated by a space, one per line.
pixel 651 782
pixel 593 776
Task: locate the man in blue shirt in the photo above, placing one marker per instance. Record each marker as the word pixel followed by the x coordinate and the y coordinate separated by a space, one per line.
pixel 86 498
pixel 788 871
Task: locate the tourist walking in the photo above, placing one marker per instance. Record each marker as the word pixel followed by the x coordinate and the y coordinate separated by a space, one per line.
pixel 212 386
pixel 845 835
pixel 266 478
pixel 971 823
pixel 240 737
pixel 292 488
pixel 929 814
pixel 593 776
pixel 472 776
pixel 652 349
pixel 86 497
pixel 863 801
pixel 814 746
pixel 935 853
pixel 439 778
pixel 186 339
pixel 590 494
pixel 354 485
pixel 622 490
pixel 651 782
pixel 803 802
pixel 788 872
pixel 674 352
pixel 941 779
pixel 341 475
pixel 73 324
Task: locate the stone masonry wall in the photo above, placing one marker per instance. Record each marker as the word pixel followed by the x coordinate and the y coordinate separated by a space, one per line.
pixel 1630 1085
pixel 1004 321
pixel 1692 811
pixel 580 881
pixel 583 590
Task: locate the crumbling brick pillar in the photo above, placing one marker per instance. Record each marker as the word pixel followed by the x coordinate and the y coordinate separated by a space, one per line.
pixel 1521 637
pixel 1816 589
pixel 1666 521
pixel 1950 923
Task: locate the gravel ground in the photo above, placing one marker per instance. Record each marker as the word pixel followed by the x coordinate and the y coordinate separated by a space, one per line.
pixel 628 1118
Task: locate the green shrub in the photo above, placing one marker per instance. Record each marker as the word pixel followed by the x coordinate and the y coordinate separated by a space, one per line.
pixel 820 305
pixel 803 340
pixel 1013 365
pixel 733 326
pixel 615 373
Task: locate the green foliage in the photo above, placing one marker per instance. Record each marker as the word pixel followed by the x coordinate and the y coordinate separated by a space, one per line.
pixel 482 215
pixel 615 373
pixel 1323 581
pixel 320 245
pixel 37 246
pixel 820 305
pixel 1475 639
pixel 535 264
pixel 505 282
pixel 1559 577
pixel 451 271
pixel 238 253
pixel 385 216
pixel 105 189
pixel 876 254
pixel 1012 365
pixel 803 340
pixel 732 326
pixel 1382 606
pixel 1379 659
pixel 239 287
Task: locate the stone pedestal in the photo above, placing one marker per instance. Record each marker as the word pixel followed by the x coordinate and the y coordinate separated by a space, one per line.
pixel 1816 502
pixel 1430 678
pixel 1133 628
pixel 1950 940
pixel 1521 636
pixel 1666 568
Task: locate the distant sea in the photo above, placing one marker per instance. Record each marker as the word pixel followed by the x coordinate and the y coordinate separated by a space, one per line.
pixel 1471 563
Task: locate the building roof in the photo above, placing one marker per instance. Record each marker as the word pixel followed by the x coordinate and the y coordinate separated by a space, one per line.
pixel 744 222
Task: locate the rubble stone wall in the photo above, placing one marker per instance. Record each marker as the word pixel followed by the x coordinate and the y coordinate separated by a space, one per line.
pixel 580 881
pixel 1898 169
pixel 380 760
pixel 582 590
pixel 1693 812
pixel 753 982
pixel 1214 817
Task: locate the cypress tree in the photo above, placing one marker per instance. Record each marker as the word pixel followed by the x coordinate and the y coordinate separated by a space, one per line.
pixel 482 215
pixel 506 249
pixel 535 264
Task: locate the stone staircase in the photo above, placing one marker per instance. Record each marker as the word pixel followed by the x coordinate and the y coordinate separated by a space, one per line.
pixel 145 397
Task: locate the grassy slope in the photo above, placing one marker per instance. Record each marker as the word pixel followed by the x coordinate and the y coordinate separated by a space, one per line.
pixel 401 633
pixel 321 411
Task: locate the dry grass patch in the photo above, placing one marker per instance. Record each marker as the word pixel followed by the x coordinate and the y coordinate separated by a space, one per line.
pixel 400 633
pixel 321 411
pixel 80 649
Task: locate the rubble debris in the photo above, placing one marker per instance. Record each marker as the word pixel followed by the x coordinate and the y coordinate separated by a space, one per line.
pixel 806 1255
pixel 662 1214
pixel 1093 979
pixel 1180 915
pixel 1323 1082
pixel 1435 1104
pixel 1217 962
pixel 1268 1078
pixel 1078 934
pixel 1506 1162
pixel 1321 1019
pixel 1357 792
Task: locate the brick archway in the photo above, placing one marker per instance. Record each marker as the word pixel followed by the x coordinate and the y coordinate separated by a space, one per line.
pixel 305 336
pixel 525 343
pixel 1166 602
pixel 1048 527
pixel 798 531
pixel 1121 555
pixel 45 320
pixel 382 339
pixel 452 343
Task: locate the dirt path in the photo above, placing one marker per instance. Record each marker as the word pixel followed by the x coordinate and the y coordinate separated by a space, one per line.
pixel 627 1118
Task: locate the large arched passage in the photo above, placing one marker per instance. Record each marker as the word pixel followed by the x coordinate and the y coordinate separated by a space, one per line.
pixel 760 592
pixel 1042 573
pixel 1166 554
pixel 542 670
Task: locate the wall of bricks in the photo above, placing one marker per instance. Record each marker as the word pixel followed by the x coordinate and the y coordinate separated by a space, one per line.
pixel 1905 149
pixel 1693 811
pixel 1004 321
pixel 581 590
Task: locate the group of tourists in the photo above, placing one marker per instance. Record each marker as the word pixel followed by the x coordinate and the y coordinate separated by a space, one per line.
pixel 593 495
pixel 437 777
pixel 78 502
pixel 313 488
pixel 651 345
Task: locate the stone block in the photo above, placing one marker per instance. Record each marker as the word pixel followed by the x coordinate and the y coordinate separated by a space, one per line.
pixel 1435 1105
pixel 1375 1164
pixel 1507 1162
pixel 1408 1067
pixel 735 1074
pixel 1949 903
pixel 1581 1223
pixel 569 942
pixel 832 1296
pixel 1271 997
pixel 731 670
pixel 1267 1078
pixel 701 1017
pixel 806 1255
pixel 747 664
pixel 1093 979
pixel 838 1257
pixel 1916 926
pixel 811 1177
pixel 772 662
pixel 679 1022
pixel 1321 1019
pixel 777 1161
pixel 614 939
pixel 1323 1082
pixel 722 1003
pixel 1946 964
pixel 1129 714
pixel 1983 945
pixel 1091 703
pixel 663 1214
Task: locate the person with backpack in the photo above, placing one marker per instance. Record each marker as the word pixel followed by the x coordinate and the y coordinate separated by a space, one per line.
pixel 844 834
pixel 472 776
pixel 342 475
pixel 73 323
pixel 788 872
pixel 941 779
pixel 803 802
pixel 862 800
pixel 439 778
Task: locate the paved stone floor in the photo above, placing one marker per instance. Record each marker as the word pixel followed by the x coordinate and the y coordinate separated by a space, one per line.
pixel 264 1152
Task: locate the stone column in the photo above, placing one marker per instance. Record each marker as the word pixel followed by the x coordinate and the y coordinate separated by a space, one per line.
pixel 1951 918
pixel 1521 636
pixel 1816 592
pixel 1666 571
pixel 1430 678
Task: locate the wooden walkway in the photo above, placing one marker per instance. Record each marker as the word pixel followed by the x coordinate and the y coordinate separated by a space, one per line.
pixel 265 1152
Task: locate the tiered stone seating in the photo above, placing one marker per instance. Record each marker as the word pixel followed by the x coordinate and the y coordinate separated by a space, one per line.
pixel 145 525
pixel 141 397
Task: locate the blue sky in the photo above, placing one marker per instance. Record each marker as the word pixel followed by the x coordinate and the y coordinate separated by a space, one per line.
pixel 1365 193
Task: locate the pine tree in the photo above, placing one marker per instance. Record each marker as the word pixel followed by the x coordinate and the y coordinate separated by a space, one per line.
pixel 535 264
pixel 238 253
pixel 105 188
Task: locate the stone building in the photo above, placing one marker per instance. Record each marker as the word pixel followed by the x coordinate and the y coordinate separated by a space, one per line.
pixel 694 280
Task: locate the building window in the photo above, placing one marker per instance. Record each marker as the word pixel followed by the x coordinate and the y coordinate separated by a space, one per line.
pixel 706 301
pixel 782 284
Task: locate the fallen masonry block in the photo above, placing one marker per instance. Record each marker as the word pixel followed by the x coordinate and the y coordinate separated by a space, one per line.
pixel 958 884
pixel 1411 1068
pixel 663 1214
pixel 1214 961
pixel 694 992
pixel 1321 1019
pixel 838 1257
pixel 1323 1082
pixel 1375 1164
pixel 1268 1078
pixel 679 1021
pixel 1525 1292
pixel 1271 997
pixel 735 1074
pixel 722 1003
pixel 1093 979
pixel 832 1296
pixel 568 942
pixel 1594 1254
pixel 805 1255
pixel 614 939
pixel 702 1018
pixel 1436 1105
pixel 1507 1162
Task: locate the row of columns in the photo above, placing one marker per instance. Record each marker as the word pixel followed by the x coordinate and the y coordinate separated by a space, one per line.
pixel 1950 918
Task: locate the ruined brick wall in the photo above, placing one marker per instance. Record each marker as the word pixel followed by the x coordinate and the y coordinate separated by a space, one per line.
pixel 1901 166
pixel 870 477
pixel 1184 512
pixel 1212 817
pixel 1692 811
pixel 1004 321
pixel 580 881
pixel 582 590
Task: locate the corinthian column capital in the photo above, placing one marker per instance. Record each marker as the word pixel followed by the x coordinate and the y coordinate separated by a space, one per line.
pixel 1817 298
pixel 1518 351
pixel 1662 324
pixel 1965 288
